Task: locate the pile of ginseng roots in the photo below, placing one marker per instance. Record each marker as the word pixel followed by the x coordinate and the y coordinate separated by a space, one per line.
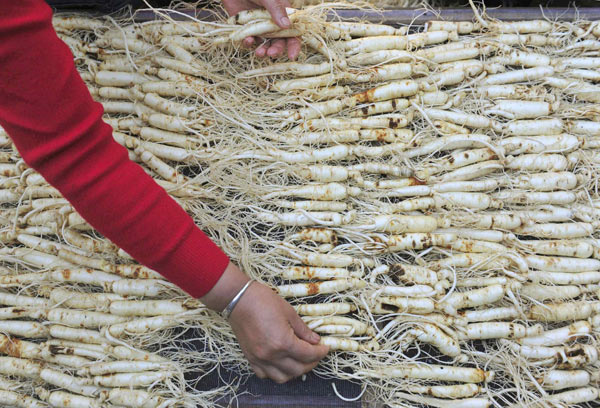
pixel 425 197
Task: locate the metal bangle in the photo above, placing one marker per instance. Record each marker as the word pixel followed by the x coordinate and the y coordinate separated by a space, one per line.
pixel 227 311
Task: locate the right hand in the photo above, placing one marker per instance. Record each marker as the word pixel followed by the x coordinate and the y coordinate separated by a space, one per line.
pixel 274 339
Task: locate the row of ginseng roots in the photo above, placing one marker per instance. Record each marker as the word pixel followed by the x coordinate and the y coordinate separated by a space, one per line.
pixel 455 235
pixel 83 325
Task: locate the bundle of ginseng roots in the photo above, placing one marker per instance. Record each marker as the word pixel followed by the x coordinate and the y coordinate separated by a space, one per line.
pixel 426 198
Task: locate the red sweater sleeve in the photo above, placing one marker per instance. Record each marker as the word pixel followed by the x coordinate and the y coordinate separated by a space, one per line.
pixel 57 127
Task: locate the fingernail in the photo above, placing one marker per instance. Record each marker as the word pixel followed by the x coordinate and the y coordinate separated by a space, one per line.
pixel 285 22
pixel 315 337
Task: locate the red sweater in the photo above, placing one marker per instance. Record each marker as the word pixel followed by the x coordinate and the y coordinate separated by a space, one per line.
pixel 47 110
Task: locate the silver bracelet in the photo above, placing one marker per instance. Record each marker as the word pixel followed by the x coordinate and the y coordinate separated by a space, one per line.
pixel 227 311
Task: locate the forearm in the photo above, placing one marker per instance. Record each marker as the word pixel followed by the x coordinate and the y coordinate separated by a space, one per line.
pixel 230 283
pixel 57 127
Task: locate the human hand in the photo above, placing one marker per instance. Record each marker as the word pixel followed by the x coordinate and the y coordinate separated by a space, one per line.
pixel 274 339
pixel 273 48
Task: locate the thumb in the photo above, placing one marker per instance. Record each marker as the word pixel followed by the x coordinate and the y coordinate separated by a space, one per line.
pixel 302 331
pixel 278 13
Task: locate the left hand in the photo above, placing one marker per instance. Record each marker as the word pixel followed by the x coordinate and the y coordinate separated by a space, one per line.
pixel 273 48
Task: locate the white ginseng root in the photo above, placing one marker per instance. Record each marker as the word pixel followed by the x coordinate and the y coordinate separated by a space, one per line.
pixel 386 42
pixel 512 109
pixel 324 309
pixel 302 218
pixel 393 90
pixel 23 328
pixel 491 314
pixel 313 205
pixel 324 173
pixel 558 336
pixel 550 181
pixel 78 300
pixel 346 344
pixel 498 330
pixel 441 403
pixel 393 304
pixel 398 224
pixel 10 299
pixel 481 282
pixel 17 400
pixel 466 174
pixel 321 287
pixel 327 192
pixel 456 160
pixel 432 334
pixel 548 143
pixel 455 391
pixel 314 273
pixel 80 318
pixel 562 264
pixel 576 396
pixel 70 383
pixel 547 292
pixel 62 399
pixel 564 278
pixel 526 127
pixel 131 379
pixel 538 162
pixel 407 291
pixel 146 325
pixel 413 274
pixel 322 260
pixel 565 247
pixel 112 367
pixel 475 201
pixel 561 312
pixel 151 307
pixel 561 379
pixel 473 298
pixel 338 325
pixel 78 335
pixel 556 230
pixel 433 372
pixel 321 235
pixel 417 240
pixel 14 347
pixel 480 261
pixel 522 197
pixel 510 77
pixel 138 287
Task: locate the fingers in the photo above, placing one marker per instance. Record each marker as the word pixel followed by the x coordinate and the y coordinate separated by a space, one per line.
pixel 260 373
pixel 278 375
pixel 306 352
pixel 248 42
pixel 261 51
pixel 276 49
pixel 293 47
pixel 272 48
pixel 235 6
pixel 277 10
pixel 301 329
pixel 287 369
